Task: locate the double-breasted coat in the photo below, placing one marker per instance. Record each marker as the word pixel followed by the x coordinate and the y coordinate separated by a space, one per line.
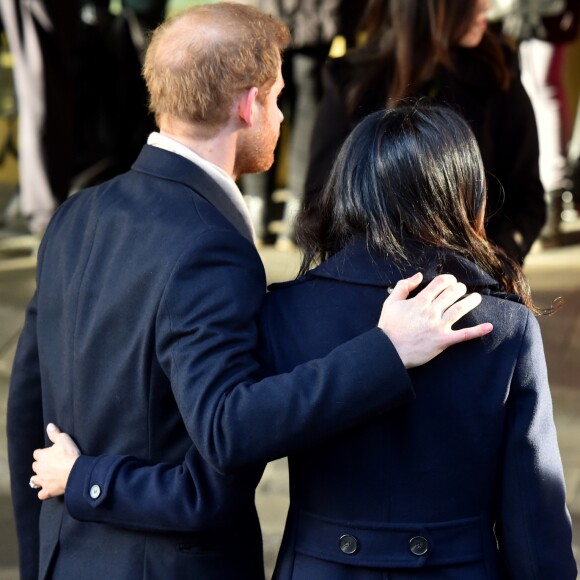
pixel 139 341
pixel 463 483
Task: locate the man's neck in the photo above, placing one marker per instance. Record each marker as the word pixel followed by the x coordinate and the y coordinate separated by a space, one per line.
pixel 220 149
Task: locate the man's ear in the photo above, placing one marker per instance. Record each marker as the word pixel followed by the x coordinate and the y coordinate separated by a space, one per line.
pixel 246 106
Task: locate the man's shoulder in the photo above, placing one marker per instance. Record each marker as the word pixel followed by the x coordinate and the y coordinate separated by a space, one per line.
pixel 160 198
pixel 143 216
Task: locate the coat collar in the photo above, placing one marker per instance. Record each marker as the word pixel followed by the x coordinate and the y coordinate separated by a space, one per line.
pixel 358 264
pixel 172 167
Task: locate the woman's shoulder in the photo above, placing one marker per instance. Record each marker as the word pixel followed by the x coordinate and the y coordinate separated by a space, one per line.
pixel 288 291
pixel 510 317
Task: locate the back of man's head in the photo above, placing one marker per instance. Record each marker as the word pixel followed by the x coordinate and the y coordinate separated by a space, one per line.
pixel 199 60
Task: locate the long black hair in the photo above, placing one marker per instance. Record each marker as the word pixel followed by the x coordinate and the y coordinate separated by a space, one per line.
pixel 413 173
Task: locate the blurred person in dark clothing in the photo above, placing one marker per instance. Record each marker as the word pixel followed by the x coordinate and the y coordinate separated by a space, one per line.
pixel 82 105
pixel 41 37
pixel 542 30
pixel 440 51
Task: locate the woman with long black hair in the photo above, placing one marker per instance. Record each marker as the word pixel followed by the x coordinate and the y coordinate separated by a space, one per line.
pixel 441 51
pixel 466 482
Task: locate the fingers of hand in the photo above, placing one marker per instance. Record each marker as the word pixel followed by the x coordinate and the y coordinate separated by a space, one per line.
pixel 471 332
pixel 404 287
pixel 438 285
pixel 457 309
pixel 40 481
pixel 449 297
pixel 36 483
pixel 38 453
pixel 43 494
pixel 456 312
pixel 53 431
pixel 64 447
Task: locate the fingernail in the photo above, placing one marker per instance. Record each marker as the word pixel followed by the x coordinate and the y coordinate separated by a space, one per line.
pixel 51 427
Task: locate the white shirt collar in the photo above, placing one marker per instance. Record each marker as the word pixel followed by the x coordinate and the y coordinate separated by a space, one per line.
pixel 221 177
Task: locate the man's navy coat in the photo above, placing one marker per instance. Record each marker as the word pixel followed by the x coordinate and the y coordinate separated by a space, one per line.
pixel 463 483
pixel 140 342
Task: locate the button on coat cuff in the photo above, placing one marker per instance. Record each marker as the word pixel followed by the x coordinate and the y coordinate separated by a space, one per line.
pixel 88 483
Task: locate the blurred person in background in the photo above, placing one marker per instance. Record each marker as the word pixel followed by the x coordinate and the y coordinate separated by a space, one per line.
pixel 112 119
pixel 543 30
pixel 82 107
pixel 441 51
pixel 41 37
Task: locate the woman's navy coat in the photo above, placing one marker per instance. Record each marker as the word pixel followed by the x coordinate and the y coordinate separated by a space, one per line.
pixel 464 483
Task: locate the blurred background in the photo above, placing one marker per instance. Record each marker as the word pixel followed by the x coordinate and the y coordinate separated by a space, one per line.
pixel 96 121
